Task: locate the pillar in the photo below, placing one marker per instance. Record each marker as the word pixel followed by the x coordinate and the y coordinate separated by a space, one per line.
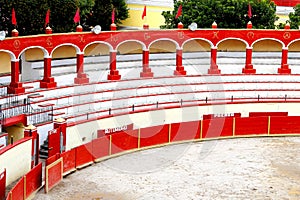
pixel 180 25
pixel 79 28
pixel 249 25
pixel 213 62
pixel 146 26
pixel 48 30
pixel 81 76
pixel 15 33
pixel 114 73
pixel 31 131
pixel 15 87
pixel 61 124
pixel 284 65
pixel 248 66
pixel 179 68
pixel 47 81
pixel 113 27
pixel 146 69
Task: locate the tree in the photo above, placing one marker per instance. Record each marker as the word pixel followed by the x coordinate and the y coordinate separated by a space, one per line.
pixel 121 10
pixel 227 14
pixel 295 17
pixel 30 14
pixel 63 12
pixel 102 10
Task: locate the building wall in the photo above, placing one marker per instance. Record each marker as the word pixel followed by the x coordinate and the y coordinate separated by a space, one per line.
pixel 153 18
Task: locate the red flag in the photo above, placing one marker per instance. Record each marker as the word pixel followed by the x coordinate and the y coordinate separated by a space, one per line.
pixel 144 12
pixel 77 16
pixel 179 12
pixel 249 11
pixel 13 17
pixel 113 16
pixel 47 18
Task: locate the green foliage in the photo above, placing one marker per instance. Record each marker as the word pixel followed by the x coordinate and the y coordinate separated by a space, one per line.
pixel 31 14
pixel 226 13
pixel 62 14
pixel 121 10
pixel 295 17
pixel 101 13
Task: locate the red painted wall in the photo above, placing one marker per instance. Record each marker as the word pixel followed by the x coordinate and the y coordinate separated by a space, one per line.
pixel 54 175
pixel 17 193
pixel 259 114
pixel 285 125
pixel 2 185
pixel 154 135
pixel 101 147
pixel 185 131
pixel 34 180
pixel 84 154
pixel 124 141
pixel 69 160
pixel 217 127
pixel 251 126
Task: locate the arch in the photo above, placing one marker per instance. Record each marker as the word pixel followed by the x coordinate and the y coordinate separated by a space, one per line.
pixel 46 53
pixel 232 44
pixel 267 55
pixel 292 44
pixel 132 47
pixel 165 39
pixel 231 55
pixel 11 54
pixel 6 57
pixel 266 39
pixel 232 38
pixel 137 41
pixel 195 40
pixel 97 49
pixel 98 42
pixel 66 44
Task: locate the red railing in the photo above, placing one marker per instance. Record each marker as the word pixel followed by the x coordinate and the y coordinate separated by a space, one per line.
pixel 107 146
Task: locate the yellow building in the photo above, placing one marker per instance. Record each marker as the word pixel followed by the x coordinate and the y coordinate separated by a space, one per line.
pixel 155 7
pixel 153 17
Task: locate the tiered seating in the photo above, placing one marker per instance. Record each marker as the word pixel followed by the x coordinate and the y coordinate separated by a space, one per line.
pixel 169 91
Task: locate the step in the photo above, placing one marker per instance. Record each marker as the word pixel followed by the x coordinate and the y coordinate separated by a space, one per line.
pixel 46 105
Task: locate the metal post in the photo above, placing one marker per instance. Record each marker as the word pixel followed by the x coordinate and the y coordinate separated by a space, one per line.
pixel 285 97
pixel 157 104
pixel 109 111
pixel 231 98
pixel 132 107
pixel 181 102
pixel 206 100
pixel 258 97
pixel 51 113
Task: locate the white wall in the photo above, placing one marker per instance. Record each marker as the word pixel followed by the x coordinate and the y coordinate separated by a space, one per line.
pixel 16 161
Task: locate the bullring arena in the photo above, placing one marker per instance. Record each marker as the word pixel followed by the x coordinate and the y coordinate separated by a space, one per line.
pixel 214 109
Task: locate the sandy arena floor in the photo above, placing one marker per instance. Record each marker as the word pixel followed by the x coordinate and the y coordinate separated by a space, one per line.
pixel 248 168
